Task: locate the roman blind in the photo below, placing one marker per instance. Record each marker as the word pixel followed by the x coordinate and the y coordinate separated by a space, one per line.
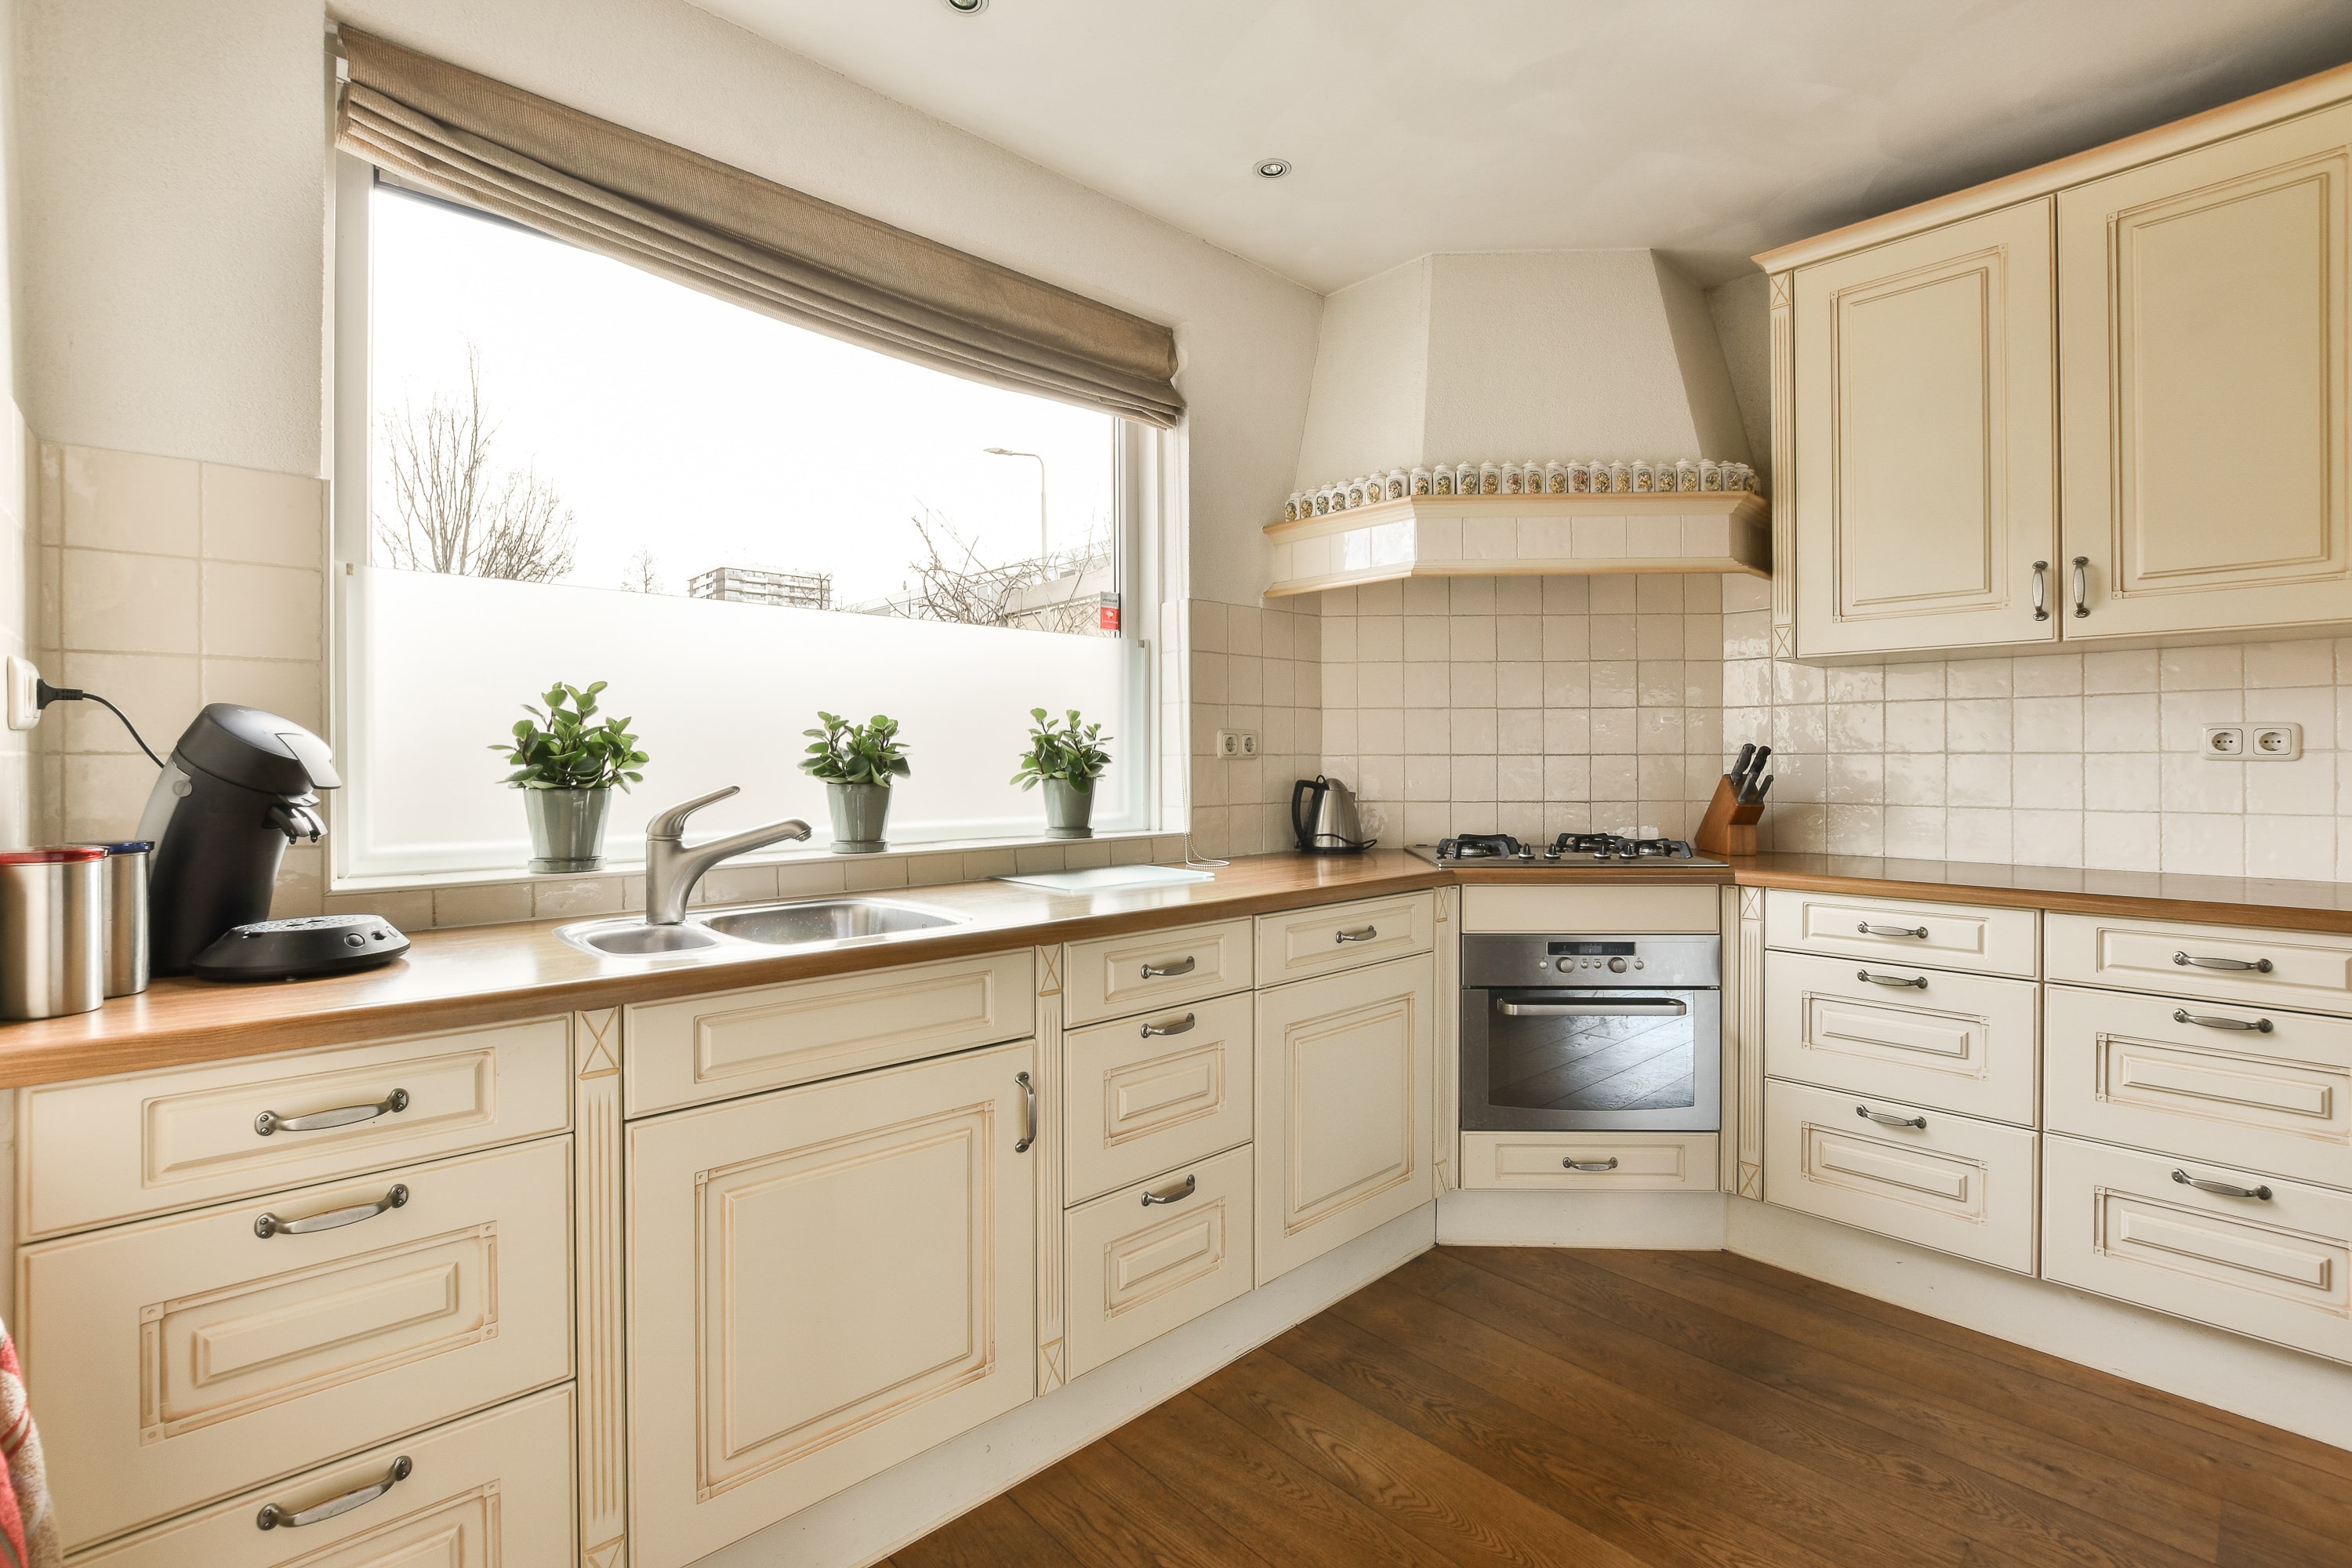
pixel 714 227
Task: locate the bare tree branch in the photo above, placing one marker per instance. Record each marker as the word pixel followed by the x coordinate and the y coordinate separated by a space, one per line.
pixel 1036 595
pixel 641 574
pixel 451 514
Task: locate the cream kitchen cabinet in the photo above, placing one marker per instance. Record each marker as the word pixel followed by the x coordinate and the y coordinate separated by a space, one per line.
pixel 822 1281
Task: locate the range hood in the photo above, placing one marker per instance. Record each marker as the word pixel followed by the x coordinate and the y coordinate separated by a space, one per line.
pixel 1549 355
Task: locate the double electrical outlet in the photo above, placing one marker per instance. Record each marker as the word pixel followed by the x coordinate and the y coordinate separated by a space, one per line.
pixel 2254 743
pixel 1233 745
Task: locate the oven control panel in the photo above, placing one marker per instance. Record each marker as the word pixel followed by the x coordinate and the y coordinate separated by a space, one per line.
pixel 1489 960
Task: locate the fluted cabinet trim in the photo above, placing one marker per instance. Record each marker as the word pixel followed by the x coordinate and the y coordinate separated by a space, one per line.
pixel 602 1443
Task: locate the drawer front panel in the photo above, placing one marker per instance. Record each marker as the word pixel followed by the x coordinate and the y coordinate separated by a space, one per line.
pixel 1590 1162
pixel 2307 969
pixel 1138 1104
pixel 2132 1069
pixel 1944 936
pixel 1300 944
pixel 113 1149
pixel 1556 907
pixel 703 1048
pixel 2116 1222
pixel 1958 1184
pixel 1137 1270
pixel 1116 975
pixel 1961 1042
pixel 493 1491
pixel 191 1357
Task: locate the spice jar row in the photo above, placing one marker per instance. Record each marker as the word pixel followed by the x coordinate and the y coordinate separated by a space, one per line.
pixel 1584 477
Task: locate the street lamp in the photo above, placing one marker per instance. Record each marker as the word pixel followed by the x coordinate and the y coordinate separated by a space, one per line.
pixel 1044 555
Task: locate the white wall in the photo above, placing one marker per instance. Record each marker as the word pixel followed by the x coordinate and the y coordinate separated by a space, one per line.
pixel 1371 371
pixel 17 558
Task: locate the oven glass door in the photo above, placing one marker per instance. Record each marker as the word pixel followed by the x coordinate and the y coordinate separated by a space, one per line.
pixel 1578 1059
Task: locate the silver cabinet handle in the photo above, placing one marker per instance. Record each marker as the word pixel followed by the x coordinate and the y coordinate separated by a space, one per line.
pixel 2259 965
pixel 1177 1196
pixel 269 1225
pixel 1866 929
pixel 1162 970
pixel 2081 587
pixel 2208 1020
pixel 269 1121
pixel 2222 1189
pixel 1181 1027
pixel 1362 933
pixel 1029 1090
pixel 1642 1008
pixel 1918 982
pixel 2042 590
pixel 272 1517
pixel 1573 1163
pixel 1886 1118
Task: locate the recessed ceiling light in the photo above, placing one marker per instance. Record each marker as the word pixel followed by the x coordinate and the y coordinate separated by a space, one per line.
pixel 1267 168
pixel 965 8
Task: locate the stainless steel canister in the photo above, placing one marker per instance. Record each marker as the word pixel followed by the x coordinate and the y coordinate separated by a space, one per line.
pixel 126 914
pixel 52 931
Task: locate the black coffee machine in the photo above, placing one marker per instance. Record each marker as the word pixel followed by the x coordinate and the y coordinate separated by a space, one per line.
pixel 239 787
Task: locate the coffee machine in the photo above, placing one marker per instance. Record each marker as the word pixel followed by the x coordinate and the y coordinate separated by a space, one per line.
pixel 240 785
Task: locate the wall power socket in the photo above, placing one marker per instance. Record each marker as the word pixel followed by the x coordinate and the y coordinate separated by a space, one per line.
pixel 1233 745
pixel 2262 742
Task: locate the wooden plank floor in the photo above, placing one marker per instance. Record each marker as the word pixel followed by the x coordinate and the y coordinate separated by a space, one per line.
pixel 1537 1408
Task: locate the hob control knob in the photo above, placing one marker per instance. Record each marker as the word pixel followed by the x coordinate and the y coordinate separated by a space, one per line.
pixel 1617 967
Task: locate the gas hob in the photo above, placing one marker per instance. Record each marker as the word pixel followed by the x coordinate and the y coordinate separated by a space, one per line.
pixel 1570 852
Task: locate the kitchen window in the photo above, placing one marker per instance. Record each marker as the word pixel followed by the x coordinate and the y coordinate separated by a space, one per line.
pixel 552 466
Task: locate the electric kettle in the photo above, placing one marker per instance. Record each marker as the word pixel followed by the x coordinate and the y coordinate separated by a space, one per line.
pixel 1323 816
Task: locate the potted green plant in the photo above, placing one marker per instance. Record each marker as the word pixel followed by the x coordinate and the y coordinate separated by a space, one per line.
pixel 857 763
pixel 1066 760
pixel 566 764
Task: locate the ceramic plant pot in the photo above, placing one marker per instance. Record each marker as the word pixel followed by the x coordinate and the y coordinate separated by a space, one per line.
pixel 1068 809
pixel 567 828
pixel 860 812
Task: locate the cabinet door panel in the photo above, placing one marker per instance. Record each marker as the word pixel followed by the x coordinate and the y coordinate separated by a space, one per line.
pixel 1925 439
pixel 2204 305
pixel 822 1281
pixel 1343 1107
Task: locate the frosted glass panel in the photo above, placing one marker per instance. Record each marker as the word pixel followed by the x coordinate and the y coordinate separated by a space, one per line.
pixel 719 693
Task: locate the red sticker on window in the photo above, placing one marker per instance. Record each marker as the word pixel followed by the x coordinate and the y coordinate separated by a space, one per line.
pixel 1110 617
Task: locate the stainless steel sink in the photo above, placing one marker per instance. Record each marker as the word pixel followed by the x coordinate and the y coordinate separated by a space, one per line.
pixel 810 924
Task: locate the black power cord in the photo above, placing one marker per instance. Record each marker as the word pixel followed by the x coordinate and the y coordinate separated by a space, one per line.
pixel 47 694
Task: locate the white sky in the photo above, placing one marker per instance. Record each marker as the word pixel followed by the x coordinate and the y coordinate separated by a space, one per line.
pixel 704 431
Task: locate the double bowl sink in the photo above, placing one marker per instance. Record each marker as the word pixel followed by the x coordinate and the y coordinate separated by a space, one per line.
pixel 817 923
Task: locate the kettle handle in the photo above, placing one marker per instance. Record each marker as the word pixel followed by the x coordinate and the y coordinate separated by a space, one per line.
pixel 1297 818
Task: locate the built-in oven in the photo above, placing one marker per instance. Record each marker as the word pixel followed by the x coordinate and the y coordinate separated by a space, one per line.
pixel 1587 1033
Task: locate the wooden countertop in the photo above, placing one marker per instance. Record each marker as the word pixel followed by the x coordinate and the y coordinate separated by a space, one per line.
pixel 487 975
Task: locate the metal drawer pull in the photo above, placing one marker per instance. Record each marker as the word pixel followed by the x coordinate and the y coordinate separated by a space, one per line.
pixel 2222 1189
pixel 1180 1025
pixel 1362 933
pixel 1632 1007
pixel 272 1517
pixel 1573 1163
pixel 1192 1184
pixel 1866 929
pixel 2259 965
pixel 269 1121
pixel 1886 1118
pixel 1920 983
pixel 2042 590
pixel 1029 1090
pixel 2183 1015
pixel 2081 587
pixel 269 1225
pixel 1162 970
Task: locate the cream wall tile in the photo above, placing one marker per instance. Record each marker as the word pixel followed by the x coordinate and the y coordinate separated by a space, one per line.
pixel 105 795
pixel 250 515
pixel 575 898
pixel 262 612
pixel 159 692
pixel 493 903
pixel 130 501
pixel 112 602
pixel 290 688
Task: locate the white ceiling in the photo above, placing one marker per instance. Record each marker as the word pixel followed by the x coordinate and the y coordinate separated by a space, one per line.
pixel 1707 129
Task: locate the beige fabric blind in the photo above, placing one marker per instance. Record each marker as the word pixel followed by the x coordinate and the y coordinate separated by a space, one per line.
pixel 733 234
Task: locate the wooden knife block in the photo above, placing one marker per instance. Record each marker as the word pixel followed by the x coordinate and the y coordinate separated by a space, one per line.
pixel 1728 827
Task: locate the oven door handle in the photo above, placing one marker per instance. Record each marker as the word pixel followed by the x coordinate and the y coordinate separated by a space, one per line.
pixel 1632 1007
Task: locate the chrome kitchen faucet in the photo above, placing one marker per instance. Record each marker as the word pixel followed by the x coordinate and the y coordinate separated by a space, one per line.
pixel 672 870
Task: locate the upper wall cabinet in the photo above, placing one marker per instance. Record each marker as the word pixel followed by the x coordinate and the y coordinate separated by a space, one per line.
pixel 2101 401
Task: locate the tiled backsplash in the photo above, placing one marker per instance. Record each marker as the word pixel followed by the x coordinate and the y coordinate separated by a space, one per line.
pixel 1258 669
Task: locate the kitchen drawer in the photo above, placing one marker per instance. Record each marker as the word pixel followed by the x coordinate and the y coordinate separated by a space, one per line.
pixel 2133 1070
pixel 1977 937
pixel 1553 908
pixel 2307 969
pixel 185 1359
pixel 493 1491
pixel 2115 1221
pixel 1299 944
pixel 1961 1042
pixel 1958 1185
pixel 1138 1103
pixel 1138 1270
pixel 1628 1162
pixel 703 1048
pixel 1114 976
pixel 104 1150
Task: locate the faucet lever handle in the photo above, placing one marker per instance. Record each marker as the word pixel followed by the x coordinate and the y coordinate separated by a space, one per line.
pixel 671 824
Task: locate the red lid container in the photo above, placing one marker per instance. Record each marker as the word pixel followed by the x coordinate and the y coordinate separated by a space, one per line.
pixel 64 855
